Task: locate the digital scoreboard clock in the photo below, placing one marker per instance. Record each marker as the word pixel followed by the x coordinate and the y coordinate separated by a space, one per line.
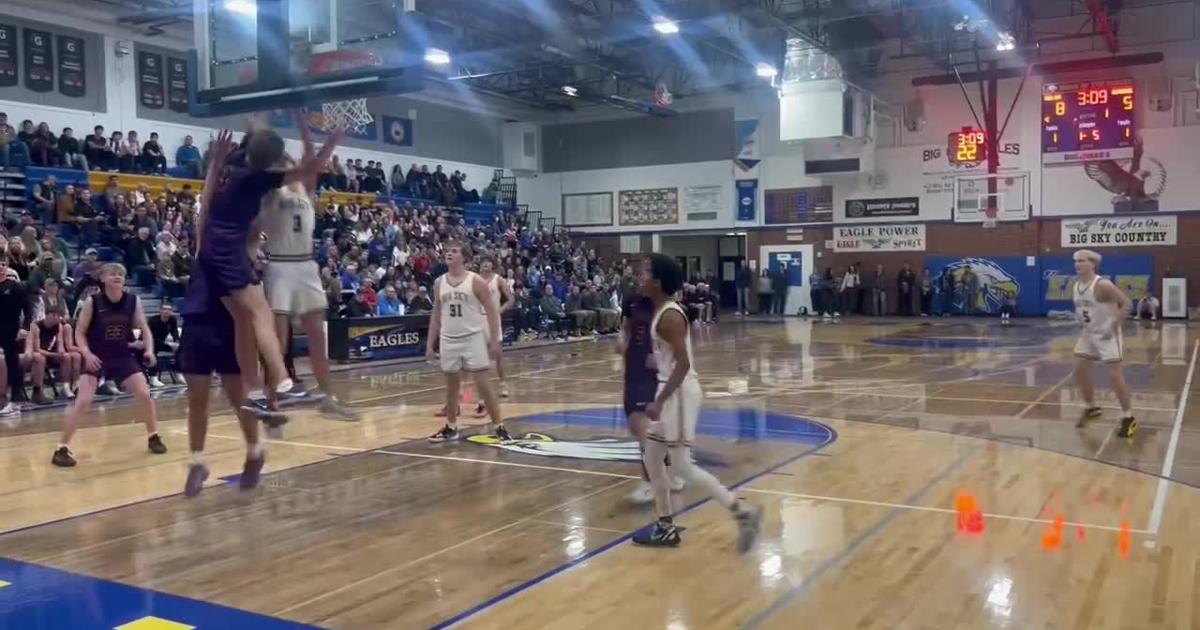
pixel 966 147
pixel 1086 122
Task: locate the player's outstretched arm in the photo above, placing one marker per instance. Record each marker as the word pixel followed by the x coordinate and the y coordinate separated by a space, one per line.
pixel 222 147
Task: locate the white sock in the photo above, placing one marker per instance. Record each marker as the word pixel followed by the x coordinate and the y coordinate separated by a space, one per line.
pixel 254 451
pixel 284 386
pixel 196 458
pixel 681 463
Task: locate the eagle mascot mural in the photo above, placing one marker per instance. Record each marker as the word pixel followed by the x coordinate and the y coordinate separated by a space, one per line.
pixel 1140 187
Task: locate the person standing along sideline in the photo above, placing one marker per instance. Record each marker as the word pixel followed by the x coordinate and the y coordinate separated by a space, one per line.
pixel 905 282
pixel 766 293
pixel 779 282
pixel 926 292
pixel 816 291
pixel 741 281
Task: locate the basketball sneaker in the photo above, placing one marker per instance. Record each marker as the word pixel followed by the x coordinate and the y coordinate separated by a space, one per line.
pixel 662 534
pixel 1127 428
pixel 445 434
pixel 109 388
pixel 155 444
pixel 334 408
pixel 63 457
pixel 155 382
pixel 642 494
pixel 197 475
pixel 9 410
pixel 502 434
pixel 252 471
pixel 1089 414
pixel 749 521
pixel 504 393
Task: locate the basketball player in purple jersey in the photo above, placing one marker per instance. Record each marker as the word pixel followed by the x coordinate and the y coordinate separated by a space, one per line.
pixel 207 348
pixel 105 339
pixel 641 381
pixel 226 230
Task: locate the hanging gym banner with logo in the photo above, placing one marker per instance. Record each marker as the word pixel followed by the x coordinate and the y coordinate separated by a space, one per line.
pixel 177 85
pixel 8 55
pixel 150 79
pixel 39 61
pixel 890 207
pixel 747 199
pixel 72 75
pixel 880 238
pixel 398 131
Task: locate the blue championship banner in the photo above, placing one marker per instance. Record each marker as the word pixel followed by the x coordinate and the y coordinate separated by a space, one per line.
pixel 747 199
pixel 378 338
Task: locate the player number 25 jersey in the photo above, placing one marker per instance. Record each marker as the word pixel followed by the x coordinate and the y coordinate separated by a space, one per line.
pixel 289 218
pixel 1095 316
pixel 462 313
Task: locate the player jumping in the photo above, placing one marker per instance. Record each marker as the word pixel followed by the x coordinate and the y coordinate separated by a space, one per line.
pixel 293 280
pixel 462 308
pixel 675 411
pixel 1101 309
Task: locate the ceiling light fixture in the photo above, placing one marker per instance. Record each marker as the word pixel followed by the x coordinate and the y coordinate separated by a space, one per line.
pixel 765 70
pixel 570 91
pixel 665 26
pixel 437 56
pixel 244 7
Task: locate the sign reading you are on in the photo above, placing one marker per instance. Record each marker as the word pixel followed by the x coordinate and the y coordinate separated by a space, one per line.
pixel 908 237
pixel 1120 231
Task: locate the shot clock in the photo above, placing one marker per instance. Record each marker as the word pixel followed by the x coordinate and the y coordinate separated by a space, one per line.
pixel 1085 122
pixel 966 147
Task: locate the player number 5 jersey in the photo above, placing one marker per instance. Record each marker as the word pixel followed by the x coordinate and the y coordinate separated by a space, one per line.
pixel 1095 316
pixel 462 313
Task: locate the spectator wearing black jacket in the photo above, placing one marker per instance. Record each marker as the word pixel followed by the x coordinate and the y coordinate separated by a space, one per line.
pixel 165 329
pixel 15 308
pixel 153 160
pixel 71 150
pixel 140 257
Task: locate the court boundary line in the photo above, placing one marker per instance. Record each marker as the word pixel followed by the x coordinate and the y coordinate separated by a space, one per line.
pixel 567 566
pixel 1160 494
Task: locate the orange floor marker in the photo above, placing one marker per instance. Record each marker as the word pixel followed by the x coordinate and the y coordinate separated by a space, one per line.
pixel 970 517
pixel 1052 538
pixel 1124 539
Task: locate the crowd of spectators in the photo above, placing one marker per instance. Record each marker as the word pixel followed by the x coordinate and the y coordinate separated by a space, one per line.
pixel 125 152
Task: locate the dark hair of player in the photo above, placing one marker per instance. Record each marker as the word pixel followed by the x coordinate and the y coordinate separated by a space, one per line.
pixel 264 149
pixel 667 271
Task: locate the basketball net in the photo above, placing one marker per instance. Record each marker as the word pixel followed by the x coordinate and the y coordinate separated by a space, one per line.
pixel 350 115
pixel 989 216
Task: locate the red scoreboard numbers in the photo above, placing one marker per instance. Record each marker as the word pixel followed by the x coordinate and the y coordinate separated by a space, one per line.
pixel 1085 122
pixel 967 147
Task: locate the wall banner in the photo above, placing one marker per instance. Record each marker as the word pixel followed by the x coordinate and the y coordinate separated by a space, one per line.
pixel 890 207
pixel 1140 231
pixel 72 74
pixel 880 238
pixel 150 79
pixel 747 199
pixel 177 84
pixel 8 55
pixel 39 61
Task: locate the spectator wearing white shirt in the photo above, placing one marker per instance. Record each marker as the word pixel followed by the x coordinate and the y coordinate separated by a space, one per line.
pixel 849 290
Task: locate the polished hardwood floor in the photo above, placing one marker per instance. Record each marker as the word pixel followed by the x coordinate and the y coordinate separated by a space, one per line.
pixel 914 473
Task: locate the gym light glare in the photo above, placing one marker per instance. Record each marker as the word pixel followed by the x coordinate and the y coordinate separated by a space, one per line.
pixel 245 7
pixel 765 70
pixel 1005 42
pixel 437 56
pixel 570 91
pixel 665 26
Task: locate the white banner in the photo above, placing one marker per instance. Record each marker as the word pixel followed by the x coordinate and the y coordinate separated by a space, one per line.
pixel 909 237
pixel 1137 231
pixel 701 199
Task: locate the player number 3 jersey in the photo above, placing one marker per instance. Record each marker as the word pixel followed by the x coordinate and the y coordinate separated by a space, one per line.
pixel 289 218
pixel 462 313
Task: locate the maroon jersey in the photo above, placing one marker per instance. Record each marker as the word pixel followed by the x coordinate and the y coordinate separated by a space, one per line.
pixel 111 329
pixel 639 311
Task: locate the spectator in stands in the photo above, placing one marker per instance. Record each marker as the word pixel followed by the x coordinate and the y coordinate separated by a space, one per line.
pixel 87 272
pixel 140 258
pixel 86 218
pixel 43 147
pixel 43 271
pixel 130 156
pixel 45 197
pixel 583 319
pixel 170 283
pixel 25 134
pixel 164 328
pixel 38 352
pixel 142 218
pixel 122 161
pixel 552 309
pixel 51 296
pixel 72 152
pixel 1147 307
pixel 357 306
pixel 420 303
pixel 596 299
pixel 98 151
pixel 389 304
pixel 18 259
pixel 187 157
pixel 153 160
pixel 8 136
pixel 15 307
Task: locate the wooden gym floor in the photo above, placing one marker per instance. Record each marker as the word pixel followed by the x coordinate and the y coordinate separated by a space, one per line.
pixel 915 474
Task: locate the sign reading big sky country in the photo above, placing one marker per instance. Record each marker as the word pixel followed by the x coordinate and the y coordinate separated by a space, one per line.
pixel 1139 231
pixel 908 237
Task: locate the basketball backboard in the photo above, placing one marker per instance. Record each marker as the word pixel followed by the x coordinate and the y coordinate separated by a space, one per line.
pixel 1005 194
pixel 257 55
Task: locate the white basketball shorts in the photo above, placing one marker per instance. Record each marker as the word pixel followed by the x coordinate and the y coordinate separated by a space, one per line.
pixel 676 425
pixel 294 288
pixel 464 354
pixel 1094 347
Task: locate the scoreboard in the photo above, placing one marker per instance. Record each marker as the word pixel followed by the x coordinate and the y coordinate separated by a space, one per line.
pixel 1089 121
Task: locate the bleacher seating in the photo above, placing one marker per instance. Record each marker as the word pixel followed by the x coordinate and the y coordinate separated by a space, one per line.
pixel 97 180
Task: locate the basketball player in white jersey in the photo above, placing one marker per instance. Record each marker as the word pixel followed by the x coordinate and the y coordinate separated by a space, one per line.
pixel 502 295
pixel 1101 309
pixel 675 411
pixel 463 309
pixel 293 280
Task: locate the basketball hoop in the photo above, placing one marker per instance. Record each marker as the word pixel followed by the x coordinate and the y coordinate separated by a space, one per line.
pixel 349 115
